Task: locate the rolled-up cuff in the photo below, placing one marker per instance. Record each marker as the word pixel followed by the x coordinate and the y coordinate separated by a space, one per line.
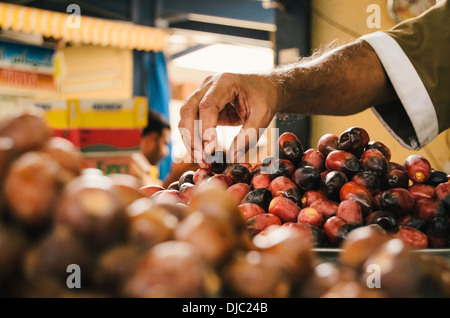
pixel 410 90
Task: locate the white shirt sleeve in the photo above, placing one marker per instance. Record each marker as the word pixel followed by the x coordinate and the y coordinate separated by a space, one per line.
pixel 409 88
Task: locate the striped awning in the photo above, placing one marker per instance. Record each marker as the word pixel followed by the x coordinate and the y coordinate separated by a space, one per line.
pixel 88 30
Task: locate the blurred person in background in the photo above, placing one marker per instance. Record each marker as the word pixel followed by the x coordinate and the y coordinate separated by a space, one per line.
pixel 154 147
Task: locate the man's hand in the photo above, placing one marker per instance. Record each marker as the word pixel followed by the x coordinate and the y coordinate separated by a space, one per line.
pixel 227 100
pixel 343 81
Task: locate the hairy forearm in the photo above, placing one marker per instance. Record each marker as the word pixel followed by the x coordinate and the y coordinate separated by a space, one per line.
pixel 343 81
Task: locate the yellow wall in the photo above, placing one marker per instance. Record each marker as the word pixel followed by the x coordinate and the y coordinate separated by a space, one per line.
pixel 343 20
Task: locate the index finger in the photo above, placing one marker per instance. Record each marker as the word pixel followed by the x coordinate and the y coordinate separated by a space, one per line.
pixel 213 102
pixel 188 125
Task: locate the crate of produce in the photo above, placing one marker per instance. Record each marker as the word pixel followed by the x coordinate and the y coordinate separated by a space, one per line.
pixel 102 139
pixel 118 162
pixel 56 111
pixel 130 113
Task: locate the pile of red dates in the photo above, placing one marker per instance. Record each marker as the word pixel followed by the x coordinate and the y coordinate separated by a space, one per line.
pixel 347 182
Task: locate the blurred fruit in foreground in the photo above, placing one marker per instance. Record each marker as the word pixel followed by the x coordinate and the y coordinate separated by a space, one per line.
pixel 256 274
pixel 173 269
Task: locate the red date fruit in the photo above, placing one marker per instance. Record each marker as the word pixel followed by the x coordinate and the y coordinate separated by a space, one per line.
pixel 336 230
pixel 398 201
pixel 369 180
pixel 28 130
pixel 443 190
pixel 187 190
pixel 150 190
pixel 167 197
pixel 174 186
pixel 323 174
pixel 290 148
pixel 332 184
pixel 350 211
pixel 238 191
pixel 413 221
pixel 398 265
pixel 290 249
pixel 127 188
pixel 381 148
pixel 375 161
pixel 438 232
pixel 186 177
pixel 261 197
pixel 306 178
pixel 239 174
pixel 412 237
pixel 149 223
pixel 91 208
pixel 261 180
pixel 284 208
pixel 50 257
pixel 258 223
pixel 201 174
pixel 437 177
pixel 311 216
pixel 422 191
pixel 314 158
pixel 221 180
pixel 327 208
pixel 172 269
pixel 313 235
pixel 257 169
pixel 216 202
pixel 360 244
pixel 417 168
pixel 115 266
pixel 216 162
pixel 249 210
pixel 395 178
pixel 353 140
pixel 32 188
pixel 213 238
pixel 311 196
pixel 254 275
pixel 396 166
pixel 343 161
pixel 327 143
pixel 353 191
pixel 426 209
pixel 67 155
pixel 281 167
pixel 283 186
pixel 385 219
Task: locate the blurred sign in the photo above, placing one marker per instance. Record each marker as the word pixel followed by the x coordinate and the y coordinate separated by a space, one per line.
pixel 27 67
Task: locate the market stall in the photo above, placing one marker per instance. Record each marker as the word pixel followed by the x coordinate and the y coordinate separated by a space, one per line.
pixel 336 209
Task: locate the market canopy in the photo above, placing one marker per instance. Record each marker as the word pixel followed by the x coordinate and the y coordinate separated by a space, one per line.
pixel 81 29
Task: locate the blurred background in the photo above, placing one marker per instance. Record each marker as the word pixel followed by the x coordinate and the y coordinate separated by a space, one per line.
pixel 75 58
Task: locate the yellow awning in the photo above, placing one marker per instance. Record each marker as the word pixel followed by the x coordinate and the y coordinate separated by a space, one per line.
pixel 89 30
